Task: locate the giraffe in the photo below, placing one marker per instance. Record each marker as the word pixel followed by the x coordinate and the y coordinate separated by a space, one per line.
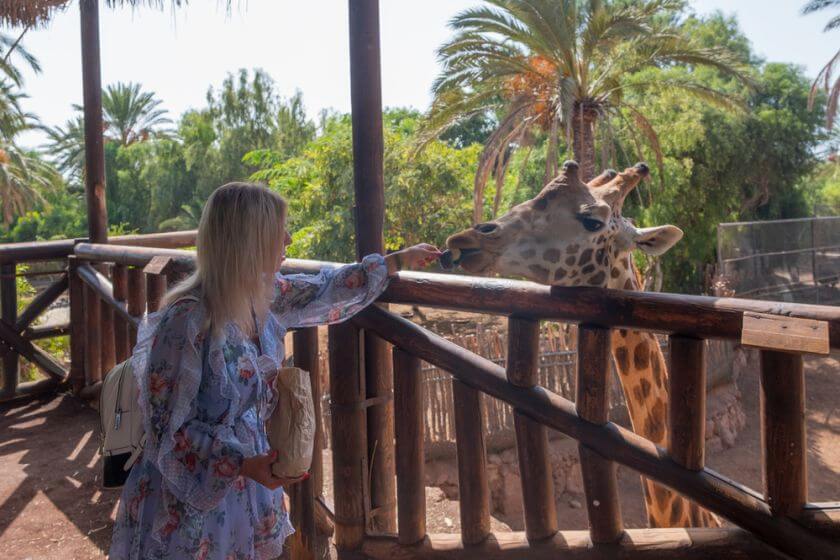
pixel 573 234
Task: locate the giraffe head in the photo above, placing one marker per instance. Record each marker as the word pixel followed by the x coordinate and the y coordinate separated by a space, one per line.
pixel 570 234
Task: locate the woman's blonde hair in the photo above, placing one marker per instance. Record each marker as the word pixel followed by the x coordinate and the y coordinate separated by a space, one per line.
pixel 239 240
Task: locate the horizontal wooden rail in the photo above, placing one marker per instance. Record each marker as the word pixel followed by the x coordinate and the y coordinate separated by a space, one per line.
pixel 738 504
pixel 52 250
pixel 635 544
pixel 102 287
pixel 699 316
pixel 46 331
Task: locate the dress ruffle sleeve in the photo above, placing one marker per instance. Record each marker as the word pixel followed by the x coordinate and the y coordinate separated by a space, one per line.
pixel 332 296
pixel 199 460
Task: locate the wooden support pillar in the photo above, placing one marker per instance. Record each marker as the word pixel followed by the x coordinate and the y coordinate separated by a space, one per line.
pixel 600 483
pixel 77 326
pixel 155 290
pixel 531 437
pixel 93 337
pixel 369 212
pixel 94 145
pixel 782 406
pixel 349 437
pixel 136 305
pixel 8 314
pixel 119 280
pixel 302 495
pixel 411 459
pixel 687 396
pixel 107 332
pixel 472 463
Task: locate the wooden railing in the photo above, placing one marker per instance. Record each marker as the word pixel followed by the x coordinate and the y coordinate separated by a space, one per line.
pixel 775 522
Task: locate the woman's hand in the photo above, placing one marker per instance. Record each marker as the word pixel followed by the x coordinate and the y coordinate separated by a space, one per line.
pixel 258 469
pixel 412 258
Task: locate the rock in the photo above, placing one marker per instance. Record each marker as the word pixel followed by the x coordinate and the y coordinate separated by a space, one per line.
pixel 714 444
pixel 575 504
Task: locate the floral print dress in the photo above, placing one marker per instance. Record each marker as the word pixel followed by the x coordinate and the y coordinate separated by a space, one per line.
pixel 185 498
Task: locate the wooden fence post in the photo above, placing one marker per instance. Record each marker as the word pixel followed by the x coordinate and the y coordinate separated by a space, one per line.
pixel 599 474
pixel 411 473
pixel 687 396
pixel 531 437
pixel 349 437
pixel 782 406
pixel 136 299
pixel 77 326
pixel 8 314
pixel 472 463
pixel 93 337
pixel 119 279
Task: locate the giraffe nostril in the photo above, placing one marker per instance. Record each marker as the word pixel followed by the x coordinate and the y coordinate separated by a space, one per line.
pixel 486 228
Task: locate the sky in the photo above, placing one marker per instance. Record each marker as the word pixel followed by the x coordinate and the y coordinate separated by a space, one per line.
pixel 304 46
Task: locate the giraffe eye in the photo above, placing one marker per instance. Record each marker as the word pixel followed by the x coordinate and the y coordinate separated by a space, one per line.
pixel 590 223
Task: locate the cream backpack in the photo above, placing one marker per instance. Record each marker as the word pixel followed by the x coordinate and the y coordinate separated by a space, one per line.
pixel 121 421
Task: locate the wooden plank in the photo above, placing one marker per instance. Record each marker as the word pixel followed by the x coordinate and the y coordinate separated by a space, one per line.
pixel 523 358
pixel 600 482
pixel 635 544
pixel 102 287
pixel 77 326
pixel 687 406
pixel 474 493
pixel 788 334
pixel 155 290
pixel 106 326
pixel 93 354
pixel 349 436
pixel 136 305
pixel 738 504
pixel 8 316
pixel 119 276
pixel 782 404
pixel 410 453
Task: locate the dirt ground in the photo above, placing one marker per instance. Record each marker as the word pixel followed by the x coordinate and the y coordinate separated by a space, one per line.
pixel 51 505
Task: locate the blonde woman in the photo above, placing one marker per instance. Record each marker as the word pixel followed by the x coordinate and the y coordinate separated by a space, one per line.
pixel 204 488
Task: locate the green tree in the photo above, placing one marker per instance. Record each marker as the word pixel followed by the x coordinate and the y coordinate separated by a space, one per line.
pixel 549 67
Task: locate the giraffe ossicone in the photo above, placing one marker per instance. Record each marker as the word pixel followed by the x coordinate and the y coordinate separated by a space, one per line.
pixel 574 234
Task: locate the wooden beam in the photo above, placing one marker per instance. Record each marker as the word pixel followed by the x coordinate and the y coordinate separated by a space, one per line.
pixel 523 359
pixel 119 275
pixel 8 318
pixel 93 336
pixel 31 352
pixel 474 492
pixel 136 305
pixel 77 325
pixel 349 437
pixel 94 143
pixel 687 403
pixel 155 290
pixel 740 505
pixel 40 303
pixel 411 459
pixel 635 544
pixel 100 285
pixel 784 448
pixel 600 480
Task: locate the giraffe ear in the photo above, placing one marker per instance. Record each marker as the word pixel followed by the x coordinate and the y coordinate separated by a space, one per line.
pixel 656 240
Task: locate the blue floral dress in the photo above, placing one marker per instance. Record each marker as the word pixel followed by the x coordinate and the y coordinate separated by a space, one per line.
pixel 185 498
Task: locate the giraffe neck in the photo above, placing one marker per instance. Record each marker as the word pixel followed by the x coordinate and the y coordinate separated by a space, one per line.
pixel 644 378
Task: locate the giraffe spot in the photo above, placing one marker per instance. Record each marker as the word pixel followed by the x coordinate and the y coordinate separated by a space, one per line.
pixel 655 423
pixel 657 372
pixel 585 257
pixel 600 239
pixel 623 333
pixel 588 269
pixel 600 256
pixel 559 273
pixel 628 284
pixel 528 253
pixel 570 261
pixel 598 279
pixel 676 512
pixel 645 386
pixel 637 394
pixel 573 248
pixel 540 203
pixel 614 272
pixel 552 255
pixel 622 359
pixel 660 495
pixel 641 355
pixel 540 272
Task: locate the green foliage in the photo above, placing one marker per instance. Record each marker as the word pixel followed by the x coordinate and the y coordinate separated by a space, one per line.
pixel 427 197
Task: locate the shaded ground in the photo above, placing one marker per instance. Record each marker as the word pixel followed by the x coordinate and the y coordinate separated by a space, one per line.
pixel 51 506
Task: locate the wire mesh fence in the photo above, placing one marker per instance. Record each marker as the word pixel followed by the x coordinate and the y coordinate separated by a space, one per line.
pixel 784 260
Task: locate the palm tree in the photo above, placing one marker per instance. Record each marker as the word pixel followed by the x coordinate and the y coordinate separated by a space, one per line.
pixel 560 67
pixel 23 178
pixel 824 78
pixel 130 115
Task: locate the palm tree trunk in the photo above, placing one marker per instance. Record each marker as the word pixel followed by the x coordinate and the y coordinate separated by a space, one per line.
pixel 583 139
pixel 551 154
